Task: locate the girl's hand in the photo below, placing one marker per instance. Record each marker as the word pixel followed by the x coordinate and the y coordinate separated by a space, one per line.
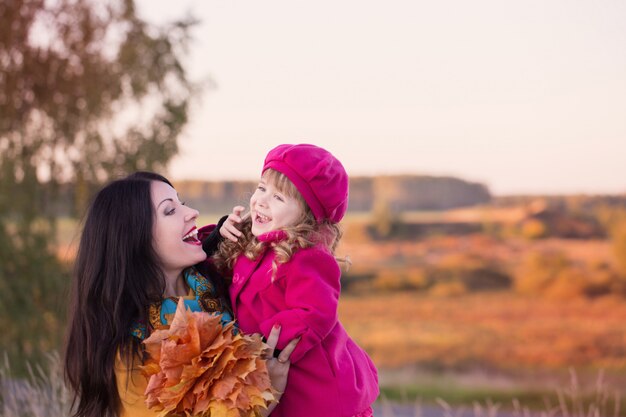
pixel 278 368
pixel 229 229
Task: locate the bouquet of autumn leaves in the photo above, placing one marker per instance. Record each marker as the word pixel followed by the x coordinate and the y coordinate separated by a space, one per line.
pixel 198 367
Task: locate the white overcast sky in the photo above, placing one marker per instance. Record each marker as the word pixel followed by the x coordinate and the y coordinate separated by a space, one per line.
pixel 523 96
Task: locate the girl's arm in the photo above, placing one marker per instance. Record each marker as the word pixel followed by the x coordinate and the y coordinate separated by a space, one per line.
pixel 311 295
pixel 226 228
pixel 210 236
pixel 230 229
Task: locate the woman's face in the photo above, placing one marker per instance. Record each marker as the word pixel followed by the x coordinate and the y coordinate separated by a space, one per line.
pixel 272 209
pixel 174 231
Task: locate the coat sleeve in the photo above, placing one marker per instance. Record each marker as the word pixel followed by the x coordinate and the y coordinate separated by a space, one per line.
pixel 210 236
pixel 311 294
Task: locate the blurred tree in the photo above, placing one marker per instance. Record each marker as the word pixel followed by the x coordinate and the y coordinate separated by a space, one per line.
pixel 88 91
pixel 384 220
pixel 613 219
pixel 618 241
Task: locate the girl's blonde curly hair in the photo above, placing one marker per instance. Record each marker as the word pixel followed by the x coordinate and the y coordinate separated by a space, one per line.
pixel 305 233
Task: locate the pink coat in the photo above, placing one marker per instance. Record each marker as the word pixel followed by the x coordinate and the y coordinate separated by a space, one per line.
pixel 330 375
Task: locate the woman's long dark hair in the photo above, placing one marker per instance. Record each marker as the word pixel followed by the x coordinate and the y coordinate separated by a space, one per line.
pixel 116 277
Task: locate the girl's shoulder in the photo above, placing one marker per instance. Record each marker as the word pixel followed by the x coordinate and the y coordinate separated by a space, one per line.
pixel 315 264
pixel 315 257
pixel 320 251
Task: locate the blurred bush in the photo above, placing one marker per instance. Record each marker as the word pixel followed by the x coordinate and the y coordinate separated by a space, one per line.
pixel 70 71
pixel 473 271
pixel 553 274
pixel 615 223
pixel 533 229
pixel 453 274
pixel 410 278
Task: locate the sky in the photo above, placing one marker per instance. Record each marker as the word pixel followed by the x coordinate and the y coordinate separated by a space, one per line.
pixel 525 97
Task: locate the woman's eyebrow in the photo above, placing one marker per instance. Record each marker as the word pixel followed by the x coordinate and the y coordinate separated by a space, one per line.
pixel 167 199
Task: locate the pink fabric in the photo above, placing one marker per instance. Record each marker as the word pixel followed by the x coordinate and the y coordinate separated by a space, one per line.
pixel 317 174
pixel 369 412
pixel 330 375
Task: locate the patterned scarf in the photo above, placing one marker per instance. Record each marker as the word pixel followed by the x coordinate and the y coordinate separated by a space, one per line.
pixel 202 297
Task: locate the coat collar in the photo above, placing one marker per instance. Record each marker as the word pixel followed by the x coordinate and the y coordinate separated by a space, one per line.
pixel 273 236
pixel 245 267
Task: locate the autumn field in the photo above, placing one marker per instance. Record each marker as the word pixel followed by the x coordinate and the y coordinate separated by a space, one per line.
pixel 490 332
pixel 495 340
pixel 474 315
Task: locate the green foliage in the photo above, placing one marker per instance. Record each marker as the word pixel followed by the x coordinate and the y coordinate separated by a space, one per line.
pixel 88 92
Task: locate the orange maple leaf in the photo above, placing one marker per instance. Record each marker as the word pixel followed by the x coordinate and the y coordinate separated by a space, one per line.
pixel 197 367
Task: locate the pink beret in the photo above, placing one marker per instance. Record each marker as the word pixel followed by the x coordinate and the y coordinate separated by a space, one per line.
pixel 317 174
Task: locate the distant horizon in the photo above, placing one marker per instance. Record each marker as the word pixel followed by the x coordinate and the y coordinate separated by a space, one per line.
pixel 515 194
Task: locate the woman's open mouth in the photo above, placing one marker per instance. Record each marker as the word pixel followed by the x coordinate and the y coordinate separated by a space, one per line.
pixel 192 237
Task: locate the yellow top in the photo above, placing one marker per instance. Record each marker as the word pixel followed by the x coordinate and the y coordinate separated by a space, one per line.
pixel 131 387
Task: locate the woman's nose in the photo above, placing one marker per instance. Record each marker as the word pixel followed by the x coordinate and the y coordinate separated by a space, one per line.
pixel 192 214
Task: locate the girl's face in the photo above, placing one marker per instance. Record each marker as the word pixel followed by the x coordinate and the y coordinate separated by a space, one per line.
pixel 174 231
pixel 272 209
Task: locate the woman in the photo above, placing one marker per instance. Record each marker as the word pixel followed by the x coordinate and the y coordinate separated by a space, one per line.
pixel 133 264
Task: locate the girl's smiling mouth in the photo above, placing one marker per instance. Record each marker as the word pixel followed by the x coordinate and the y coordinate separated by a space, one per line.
pixel 260 218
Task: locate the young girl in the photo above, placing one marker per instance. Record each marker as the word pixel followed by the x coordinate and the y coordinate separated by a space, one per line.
pixel 283 271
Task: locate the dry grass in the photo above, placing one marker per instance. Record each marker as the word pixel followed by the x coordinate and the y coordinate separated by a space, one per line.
pixel 42 394
pixel 572 401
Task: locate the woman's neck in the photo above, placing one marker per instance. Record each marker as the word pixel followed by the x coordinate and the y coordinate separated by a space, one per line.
pixel 175 286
